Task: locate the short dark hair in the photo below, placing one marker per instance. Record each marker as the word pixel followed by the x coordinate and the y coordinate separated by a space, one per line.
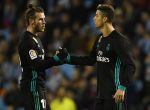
pixel 31 11
pixel 107 11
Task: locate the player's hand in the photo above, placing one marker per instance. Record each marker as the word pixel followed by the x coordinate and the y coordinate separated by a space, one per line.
pixel 57 52
pixel 119 96
pixel 62 55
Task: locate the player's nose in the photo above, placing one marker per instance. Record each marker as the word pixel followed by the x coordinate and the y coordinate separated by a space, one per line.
pixel 94 18
pixel 44 21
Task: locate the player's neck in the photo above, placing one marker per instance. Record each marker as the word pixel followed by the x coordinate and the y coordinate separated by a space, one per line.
pixel 31 30
pixel 107 29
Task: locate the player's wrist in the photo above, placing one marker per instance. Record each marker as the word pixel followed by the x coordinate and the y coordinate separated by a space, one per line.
pixel 56 58
pixel 68 59
pixel 63 56
pixel 121 87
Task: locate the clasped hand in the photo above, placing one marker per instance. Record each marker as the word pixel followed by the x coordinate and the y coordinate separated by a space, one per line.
pixel 62 55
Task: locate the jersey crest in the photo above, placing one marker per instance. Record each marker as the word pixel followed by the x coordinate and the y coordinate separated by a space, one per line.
pixel 32 54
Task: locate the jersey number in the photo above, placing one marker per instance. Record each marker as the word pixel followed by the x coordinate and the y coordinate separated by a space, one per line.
pixel 43 101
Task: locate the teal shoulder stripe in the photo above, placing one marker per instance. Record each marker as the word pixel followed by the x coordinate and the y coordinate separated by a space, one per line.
pixel 119 106
pixel 117 71
pixel 38 100
pixel 33 81
pixel 34 90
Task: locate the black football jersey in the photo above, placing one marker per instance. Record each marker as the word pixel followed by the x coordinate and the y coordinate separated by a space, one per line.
pixel 114 63
pixel 33 60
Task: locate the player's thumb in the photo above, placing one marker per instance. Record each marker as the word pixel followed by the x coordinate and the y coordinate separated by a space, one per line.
pixel 114 96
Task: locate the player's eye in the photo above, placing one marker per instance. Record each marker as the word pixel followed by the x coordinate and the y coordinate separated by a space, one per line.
pixel 42 19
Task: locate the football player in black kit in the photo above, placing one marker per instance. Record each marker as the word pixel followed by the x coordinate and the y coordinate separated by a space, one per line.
pixel 34 61
pixel 112 55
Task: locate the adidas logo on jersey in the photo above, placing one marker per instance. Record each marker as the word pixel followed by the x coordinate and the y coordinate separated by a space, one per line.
pixel 102 59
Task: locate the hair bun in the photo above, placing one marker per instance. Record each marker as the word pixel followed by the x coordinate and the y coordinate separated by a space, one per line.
pixel 30 6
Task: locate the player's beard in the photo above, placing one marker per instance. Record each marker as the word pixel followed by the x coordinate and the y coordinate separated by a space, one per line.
pixel 39 29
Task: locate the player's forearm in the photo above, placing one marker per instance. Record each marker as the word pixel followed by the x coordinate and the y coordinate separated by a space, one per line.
pixel 82 60
pixel 126 74
pixel 124 52
pixel 44 64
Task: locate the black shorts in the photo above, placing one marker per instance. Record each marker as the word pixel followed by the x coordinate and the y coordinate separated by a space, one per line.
pixel 105 104
pixel 35 99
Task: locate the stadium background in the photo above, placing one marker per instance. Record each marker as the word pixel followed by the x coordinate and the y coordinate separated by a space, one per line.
pixel 70 24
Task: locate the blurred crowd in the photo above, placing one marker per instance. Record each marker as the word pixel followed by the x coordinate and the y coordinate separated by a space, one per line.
pixel 70 24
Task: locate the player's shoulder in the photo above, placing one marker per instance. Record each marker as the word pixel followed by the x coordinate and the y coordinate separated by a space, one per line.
pixel 26 40
pixel 120 40
pixel 119 36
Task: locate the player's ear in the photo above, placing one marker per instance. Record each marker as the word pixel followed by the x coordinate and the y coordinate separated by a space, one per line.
pixel 31 21
pixel 104 19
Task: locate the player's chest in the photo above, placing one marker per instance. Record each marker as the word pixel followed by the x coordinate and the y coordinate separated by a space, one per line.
pixel 39 48
pixel 40 51
pixel 104 50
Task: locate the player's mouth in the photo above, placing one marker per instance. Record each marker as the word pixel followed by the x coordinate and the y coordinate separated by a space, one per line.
pixel 43 27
